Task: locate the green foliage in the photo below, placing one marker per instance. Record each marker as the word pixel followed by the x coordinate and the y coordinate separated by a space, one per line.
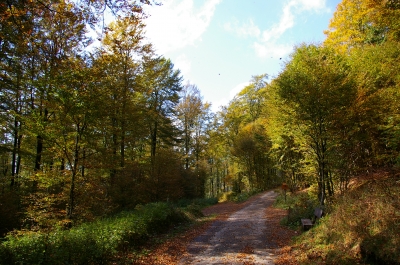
pixel 91 243
pixel 240 151
pixel 202 202
pixel 251 148
pixel 318 91
pixel 72 117
pixel 377 110
pixel 236 196
pixel 241 197
pixel 290 160
pixel 192 207
pixel 101 131
pixel 299 205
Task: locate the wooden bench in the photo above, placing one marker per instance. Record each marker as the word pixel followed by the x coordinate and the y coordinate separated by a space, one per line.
pixel 308 223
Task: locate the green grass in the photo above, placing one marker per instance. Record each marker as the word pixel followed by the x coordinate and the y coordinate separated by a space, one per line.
pixel 97 242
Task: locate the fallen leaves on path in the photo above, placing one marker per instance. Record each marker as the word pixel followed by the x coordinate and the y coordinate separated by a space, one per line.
pixel 247 250
pixel 279 236
pixel 172 250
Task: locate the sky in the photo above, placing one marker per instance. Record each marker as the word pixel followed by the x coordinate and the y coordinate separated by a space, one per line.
pixel 218 45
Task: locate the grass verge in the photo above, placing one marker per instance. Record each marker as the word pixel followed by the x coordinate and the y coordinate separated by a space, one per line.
pixel 98 242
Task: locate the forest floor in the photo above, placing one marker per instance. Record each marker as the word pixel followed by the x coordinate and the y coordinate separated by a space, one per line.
pixel 239 233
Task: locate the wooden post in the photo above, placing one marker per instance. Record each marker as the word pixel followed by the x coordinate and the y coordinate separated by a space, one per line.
pixel 285 187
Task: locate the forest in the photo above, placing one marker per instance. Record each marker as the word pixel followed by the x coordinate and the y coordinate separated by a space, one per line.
pixel 88 133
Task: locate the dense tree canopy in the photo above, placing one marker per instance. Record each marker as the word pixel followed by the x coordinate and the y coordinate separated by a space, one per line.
pixel 89 132
pixel 85 132
pixel 317 86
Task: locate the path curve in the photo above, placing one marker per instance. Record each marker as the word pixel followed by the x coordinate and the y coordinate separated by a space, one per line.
pixel 240 239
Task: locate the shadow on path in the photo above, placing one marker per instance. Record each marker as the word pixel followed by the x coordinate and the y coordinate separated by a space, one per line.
pixel 238 240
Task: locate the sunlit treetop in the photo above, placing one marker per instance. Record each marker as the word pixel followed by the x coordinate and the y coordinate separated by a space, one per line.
pixel 359 22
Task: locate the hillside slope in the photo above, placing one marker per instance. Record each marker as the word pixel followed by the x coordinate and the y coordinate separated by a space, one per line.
pixel 361 227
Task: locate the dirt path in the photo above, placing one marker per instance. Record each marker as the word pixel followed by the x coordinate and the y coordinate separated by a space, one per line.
pixel 239 239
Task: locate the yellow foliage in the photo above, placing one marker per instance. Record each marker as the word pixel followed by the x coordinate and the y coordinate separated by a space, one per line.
pixel 345 28
pixel 359 22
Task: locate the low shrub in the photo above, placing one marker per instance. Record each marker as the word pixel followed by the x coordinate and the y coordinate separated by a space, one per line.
pixel 91 243
pixel 225 196
pixel 236 197
pixel 206 202
pixel 201 202
pixel 299 205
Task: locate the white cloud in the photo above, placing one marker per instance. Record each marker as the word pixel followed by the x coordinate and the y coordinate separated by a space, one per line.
pixel 177 23
pixel 287 20
pixel 272 49
pixel 232 93
pixel 267 42
pixel 268 45
pixel 246 29
pixel 216 106
pixel 236 90
pixel 183 64
pixel 315 5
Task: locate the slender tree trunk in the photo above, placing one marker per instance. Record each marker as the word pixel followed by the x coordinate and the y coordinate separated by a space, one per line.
pixel 122 161
pixel 14 154
pixel 123 119
pixel 331 190
pixel 154 143
pixel 83 163
pixel 212 186
pixel 71 200
pixel 187 139
pixel 113 170
pixel 39 150
pixel 38 159
pixel 18 166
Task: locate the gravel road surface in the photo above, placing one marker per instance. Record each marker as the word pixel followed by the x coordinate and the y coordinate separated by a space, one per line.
pixel 240 239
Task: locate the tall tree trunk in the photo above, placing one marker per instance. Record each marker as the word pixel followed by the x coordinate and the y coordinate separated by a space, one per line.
pixel 83 163
pixel 39 150
pixel 123 113
pixel 38 159
pixel 122 159
pixel 74 171
pixel 154 144
pixel 187 142
pixel 18 166
pixel 113 170
pixel 14 153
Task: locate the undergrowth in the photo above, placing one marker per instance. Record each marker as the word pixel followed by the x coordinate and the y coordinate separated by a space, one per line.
pixel 235 196
pixel 299 205
pixel 97 242
pixel 361 227
pixel 201 202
